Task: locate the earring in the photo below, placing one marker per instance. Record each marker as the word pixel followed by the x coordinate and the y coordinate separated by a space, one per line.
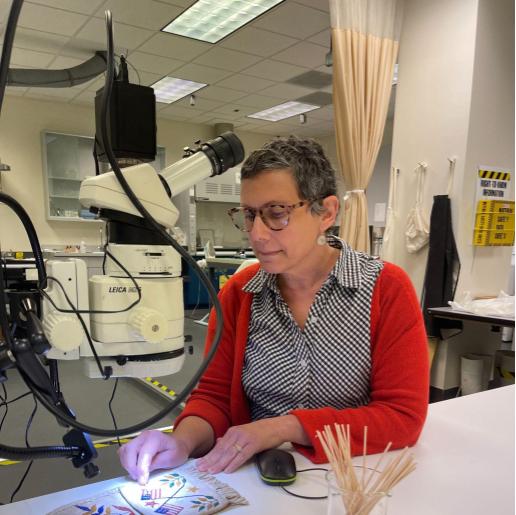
pixel 321 239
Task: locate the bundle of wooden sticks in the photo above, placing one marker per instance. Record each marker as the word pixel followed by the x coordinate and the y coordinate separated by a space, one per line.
pixel 362 487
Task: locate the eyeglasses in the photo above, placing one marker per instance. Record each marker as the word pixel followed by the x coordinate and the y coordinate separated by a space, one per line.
pixel 274 216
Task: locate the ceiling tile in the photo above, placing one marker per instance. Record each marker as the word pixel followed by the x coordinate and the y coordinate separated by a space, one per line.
pixel 78 6
pixel 228 116
pixel 274 70
pixel 197 73
pixel 257 41
pixel 227 59
pixel 314 79
pixel 285 91
pixel 219 118
pixel 323 39
pixel 245 83
pixel 175 117
pixel 322 5
pixel 294 20
pixel 234 110
pixel 35 39
pixel 27 58
pixel 174 47
pixel 185 112
pixel 258 101
pixel 80 49
pixel 180 3
pixel 148 15
pixel 63 62
pixel 96 84
pixel 59 94
pixel 303 54
pixel 146 78
pixel 202 104
pixel 15 92
pixel 86 97
pixel 56 21
pixel 125 36
pixel 218 93
pixel 324 113
pixel 153 63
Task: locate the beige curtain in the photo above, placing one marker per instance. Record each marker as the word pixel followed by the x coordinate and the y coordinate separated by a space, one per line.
pixel 365 36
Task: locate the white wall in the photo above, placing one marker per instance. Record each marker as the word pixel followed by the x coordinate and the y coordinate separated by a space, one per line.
pixel 433 99
pixel 455 98
pixel 490 140
pixel 21 124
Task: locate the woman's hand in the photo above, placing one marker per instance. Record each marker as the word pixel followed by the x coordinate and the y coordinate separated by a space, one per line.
pixel 150 451
pixel 242 442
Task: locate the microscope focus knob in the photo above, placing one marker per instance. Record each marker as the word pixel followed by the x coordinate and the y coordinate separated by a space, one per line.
pixel 64 332
pixel 151 324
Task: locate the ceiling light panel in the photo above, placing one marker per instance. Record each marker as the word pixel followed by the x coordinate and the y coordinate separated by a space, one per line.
pixel 282 111
pixel 171 89
pixel 211 21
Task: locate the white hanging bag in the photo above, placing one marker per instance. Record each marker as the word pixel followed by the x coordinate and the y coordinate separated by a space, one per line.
pixel 417 232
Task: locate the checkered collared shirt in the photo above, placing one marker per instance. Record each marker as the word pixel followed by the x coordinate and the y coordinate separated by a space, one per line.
pixel 326 364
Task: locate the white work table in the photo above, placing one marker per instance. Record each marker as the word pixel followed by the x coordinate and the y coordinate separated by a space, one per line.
pixel 465 459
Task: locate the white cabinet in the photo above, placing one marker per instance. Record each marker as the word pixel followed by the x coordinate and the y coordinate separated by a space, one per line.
pixel 220 188
pixel 67 161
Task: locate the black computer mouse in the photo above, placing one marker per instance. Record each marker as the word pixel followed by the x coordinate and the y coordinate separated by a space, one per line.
pixel 276 467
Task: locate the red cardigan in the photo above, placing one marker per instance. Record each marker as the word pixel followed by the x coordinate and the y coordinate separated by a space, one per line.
pixel 399 371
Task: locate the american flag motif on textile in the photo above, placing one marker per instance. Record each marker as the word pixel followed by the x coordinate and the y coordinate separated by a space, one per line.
pixel 169 509
pixel 154 493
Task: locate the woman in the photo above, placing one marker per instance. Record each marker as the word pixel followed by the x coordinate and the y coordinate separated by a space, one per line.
pixel 316 333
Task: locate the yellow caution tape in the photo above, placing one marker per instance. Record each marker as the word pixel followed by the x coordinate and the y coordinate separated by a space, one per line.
pixel 492 174
pixel 162 387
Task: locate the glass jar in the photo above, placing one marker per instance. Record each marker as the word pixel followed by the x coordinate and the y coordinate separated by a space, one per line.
pixel 362 501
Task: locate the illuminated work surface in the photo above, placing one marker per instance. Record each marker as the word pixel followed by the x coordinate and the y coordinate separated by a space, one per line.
pixel 465 466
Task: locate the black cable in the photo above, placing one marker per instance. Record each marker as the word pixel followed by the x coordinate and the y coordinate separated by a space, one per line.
pixel 7 46
pixel 104 372
pixel 95 157
pixel 4 403
pixel 132 67
pixel 111 410
pixel 22 480
pixel 18 398
pixel 306 496
pixel 93 311
pixel 31 234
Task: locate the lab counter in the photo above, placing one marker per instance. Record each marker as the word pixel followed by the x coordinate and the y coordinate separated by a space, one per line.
pixel 465 465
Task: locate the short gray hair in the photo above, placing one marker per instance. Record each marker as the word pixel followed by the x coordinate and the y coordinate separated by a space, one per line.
pixel 311 169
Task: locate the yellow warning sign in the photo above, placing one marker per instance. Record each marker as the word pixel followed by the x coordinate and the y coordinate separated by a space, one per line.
pixel 494 221
pixel 493 238
pixel 496 206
